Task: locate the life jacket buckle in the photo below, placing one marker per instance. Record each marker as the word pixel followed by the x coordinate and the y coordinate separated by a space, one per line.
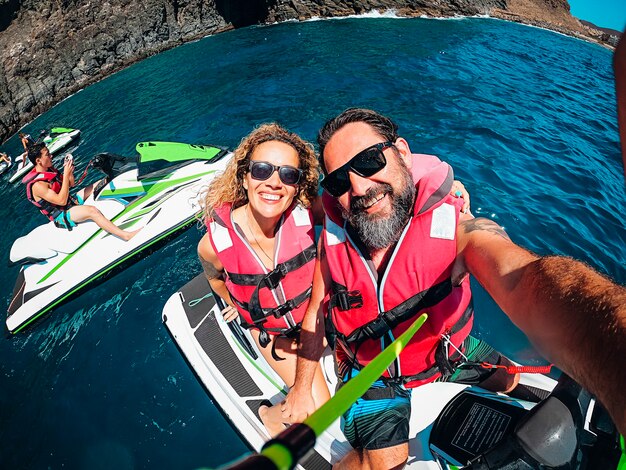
pixel 282 309
pixel 274 277
pixel 376 329
pixel 348 300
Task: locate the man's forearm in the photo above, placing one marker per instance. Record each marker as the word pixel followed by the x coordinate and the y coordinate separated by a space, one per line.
pixel 310 346
pixel 587 313
pixel 576 318
pixel 64 193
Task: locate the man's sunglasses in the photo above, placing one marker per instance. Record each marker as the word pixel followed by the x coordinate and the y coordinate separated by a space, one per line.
pixel 365 163
pixel 263 170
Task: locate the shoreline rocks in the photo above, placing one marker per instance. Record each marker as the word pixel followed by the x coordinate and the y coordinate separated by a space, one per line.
pixel 50 49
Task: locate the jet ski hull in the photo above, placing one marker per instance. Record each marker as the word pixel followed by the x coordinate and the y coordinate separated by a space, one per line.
pixel 59 263
pixel 234 373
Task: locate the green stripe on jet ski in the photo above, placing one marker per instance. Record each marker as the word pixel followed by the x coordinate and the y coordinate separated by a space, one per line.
pixel 156 188
pixel 174 151
pixel 61 130
pixel 143 188
pixel 106 269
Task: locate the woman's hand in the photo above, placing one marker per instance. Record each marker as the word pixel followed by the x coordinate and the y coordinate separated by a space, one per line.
pixel 230 313
pixel 458 190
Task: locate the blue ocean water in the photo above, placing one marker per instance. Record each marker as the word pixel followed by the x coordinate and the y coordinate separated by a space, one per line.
pixel 525 116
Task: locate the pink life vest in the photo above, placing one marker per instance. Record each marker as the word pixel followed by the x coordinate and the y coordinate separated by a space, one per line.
pixel 272 301
pixel 55 179
pixel 368 313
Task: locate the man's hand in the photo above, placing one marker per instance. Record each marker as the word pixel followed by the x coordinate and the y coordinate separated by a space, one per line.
pixel 68 169
pixel 298 405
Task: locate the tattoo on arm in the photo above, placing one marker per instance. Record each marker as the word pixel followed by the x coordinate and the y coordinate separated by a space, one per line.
pixel 485 225
pixel 209 269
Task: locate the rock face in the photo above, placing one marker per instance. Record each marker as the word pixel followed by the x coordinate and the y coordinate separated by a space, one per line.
pixel 50 49
pixel 551 14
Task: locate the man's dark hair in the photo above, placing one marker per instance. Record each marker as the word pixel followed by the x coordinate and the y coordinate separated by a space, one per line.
pixel 34 152
pixel 381 124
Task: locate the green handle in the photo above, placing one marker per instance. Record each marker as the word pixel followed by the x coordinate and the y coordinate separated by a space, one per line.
pixel 357 386
pixel 283 452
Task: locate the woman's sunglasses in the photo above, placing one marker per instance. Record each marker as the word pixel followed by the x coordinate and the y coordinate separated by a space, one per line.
pixel 263 170
pixel 365 163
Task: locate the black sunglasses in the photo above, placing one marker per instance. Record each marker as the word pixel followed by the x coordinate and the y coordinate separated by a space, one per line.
pixel 263 170
pixel 365 163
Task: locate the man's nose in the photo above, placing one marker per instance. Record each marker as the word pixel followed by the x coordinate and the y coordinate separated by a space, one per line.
pixel 358 184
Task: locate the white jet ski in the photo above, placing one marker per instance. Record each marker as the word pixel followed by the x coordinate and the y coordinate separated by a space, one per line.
pixel 58 139
pixel 157 192
pixel 546 425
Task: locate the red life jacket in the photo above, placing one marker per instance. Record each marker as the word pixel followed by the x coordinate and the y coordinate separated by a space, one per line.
pixel 368 313
pixel 272 301
pixel 55 179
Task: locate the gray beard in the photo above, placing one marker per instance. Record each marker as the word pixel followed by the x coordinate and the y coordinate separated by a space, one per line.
pixel 375 231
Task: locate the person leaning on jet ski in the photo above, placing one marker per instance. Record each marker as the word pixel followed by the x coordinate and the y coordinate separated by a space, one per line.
pixel 386 221
pixel 49 191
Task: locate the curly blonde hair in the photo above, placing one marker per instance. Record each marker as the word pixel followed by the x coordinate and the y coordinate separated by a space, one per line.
pixel 228 187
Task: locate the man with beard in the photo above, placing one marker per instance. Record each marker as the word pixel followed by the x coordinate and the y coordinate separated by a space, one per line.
pixel 394 245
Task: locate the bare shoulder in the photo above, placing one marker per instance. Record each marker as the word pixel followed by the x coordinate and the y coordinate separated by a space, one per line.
pixel 485 250
pixel 482 225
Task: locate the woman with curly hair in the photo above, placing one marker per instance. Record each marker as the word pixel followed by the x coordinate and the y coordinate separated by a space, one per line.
pixel 259 250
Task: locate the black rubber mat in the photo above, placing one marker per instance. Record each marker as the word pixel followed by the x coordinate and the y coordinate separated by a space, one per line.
pixel 529 393
pixel 314 461
pixel 195 292
pixel 254 405
pixel 216 346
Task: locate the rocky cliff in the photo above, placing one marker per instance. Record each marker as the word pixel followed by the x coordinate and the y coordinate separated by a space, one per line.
pixel 49 49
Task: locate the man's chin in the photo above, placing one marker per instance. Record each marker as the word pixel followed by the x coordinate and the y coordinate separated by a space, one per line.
pixel 363 218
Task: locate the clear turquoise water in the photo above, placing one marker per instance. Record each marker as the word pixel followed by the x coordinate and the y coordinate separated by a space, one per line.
pixel 525 116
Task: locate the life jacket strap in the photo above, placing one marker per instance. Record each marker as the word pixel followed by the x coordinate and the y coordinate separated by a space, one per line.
pixel 276 312
pixel 445 364
pixel 272 280
pixel 265 337
pixel 388 320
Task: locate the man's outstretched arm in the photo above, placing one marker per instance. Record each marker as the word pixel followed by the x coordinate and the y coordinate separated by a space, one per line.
pixel 575 316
